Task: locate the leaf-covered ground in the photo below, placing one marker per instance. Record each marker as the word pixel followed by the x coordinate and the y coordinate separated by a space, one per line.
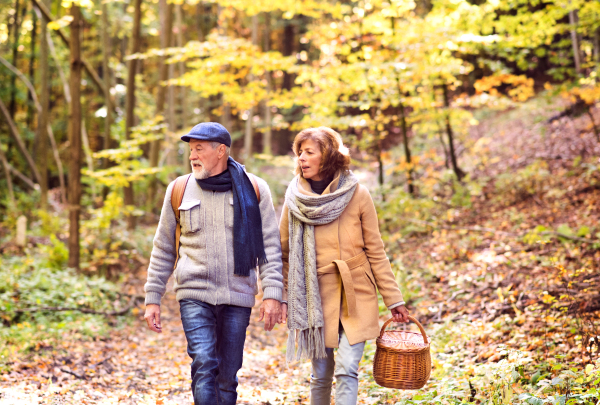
pixel 505 281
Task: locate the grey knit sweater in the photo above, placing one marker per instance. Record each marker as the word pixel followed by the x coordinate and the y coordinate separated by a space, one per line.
pixel 205 268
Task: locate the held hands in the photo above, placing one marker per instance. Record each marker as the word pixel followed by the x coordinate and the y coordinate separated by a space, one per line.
pixel 152 317
pixel 400 314
pixel 270 311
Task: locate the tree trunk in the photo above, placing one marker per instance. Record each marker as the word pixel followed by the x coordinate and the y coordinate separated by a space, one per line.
pixel 182 89
pixel 5 165
pixel 444 148
pixel 597 46
pixel 288 50
pixel 15 55
pixel 267 135
pixel 31 107
pixel 130 98
pixel 575 40
pixel 43 122
pixel 249 133
pixel 106 50
pixel 200 20
pixel 457 171
pixel 407 154
pixel 75 138
pixel 166 30
pixel 20 144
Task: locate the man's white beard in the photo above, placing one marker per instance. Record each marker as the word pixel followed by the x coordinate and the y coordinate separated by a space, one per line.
pixel 201 173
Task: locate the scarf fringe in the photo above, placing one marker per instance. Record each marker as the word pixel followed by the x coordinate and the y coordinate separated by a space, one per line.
pixel 245 272
pixel 310 344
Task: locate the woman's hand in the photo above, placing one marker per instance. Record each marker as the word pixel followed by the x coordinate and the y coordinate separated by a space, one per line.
pixel 283 314
pixel 400 314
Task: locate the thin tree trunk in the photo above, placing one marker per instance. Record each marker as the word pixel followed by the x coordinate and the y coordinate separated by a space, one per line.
pixel 267 135
pixel 444 148
pixel 407 154
pixel 20 144
pixel 5 165
pixel 130 98
pixel 597 46
pixel 88 155
pixel 596 132
pixel 575 39
pixel 226 115
pixel 166 29
pixel 106 50
pixel 200 20
pixel 182 89
pixel 61 72
pixel 457 171
pixel 43 122
pixel 15 55
pixel 75 138
pixel 31 107
pixel 248 136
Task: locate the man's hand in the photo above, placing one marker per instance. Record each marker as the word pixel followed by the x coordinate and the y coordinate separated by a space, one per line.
pixel 400 314
pixel 270 311
pixel 283 316
pixel 152 317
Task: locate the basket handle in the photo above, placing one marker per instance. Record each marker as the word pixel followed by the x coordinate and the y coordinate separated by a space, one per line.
pixel 410 318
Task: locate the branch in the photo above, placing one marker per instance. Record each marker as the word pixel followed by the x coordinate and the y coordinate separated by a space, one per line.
pixel 38 106
pixel 490 230
pixel 83 310
pixel 20 175
pixel 19 141
pixel 88 67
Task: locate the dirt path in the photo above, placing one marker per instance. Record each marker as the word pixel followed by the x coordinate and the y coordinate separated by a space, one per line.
pixel 137 366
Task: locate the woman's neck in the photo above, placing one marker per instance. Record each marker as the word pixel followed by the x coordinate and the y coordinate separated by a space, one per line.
pixel 318 186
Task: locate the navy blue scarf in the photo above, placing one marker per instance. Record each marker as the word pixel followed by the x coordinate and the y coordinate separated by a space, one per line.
pixel 248 247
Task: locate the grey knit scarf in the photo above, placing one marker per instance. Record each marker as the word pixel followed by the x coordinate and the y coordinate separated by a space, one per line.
pixel 305 313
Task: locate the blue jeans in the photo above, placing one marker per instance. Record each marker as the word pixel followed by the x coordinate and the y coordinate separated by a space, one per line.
pixel 215 336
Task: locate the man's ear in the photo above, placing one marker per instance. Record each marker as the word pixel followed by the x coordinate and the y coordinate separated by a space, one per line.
pixel 222 149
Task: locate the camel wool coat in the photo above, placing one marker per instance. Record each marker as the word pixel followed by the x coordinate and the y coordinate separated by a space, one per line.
pixel 351 267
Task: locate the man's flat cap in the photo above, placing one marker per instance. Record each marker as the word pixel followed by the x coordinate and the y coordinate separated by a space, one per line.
pixel 209 131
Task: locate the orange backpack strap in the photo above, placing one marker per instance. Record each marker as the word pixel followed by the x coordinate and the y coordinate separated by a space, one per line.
pixel 176 198
pixel 255 185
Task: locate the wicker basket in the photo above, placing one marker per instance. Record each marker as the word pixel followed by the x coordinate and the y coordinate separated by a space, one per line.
pixel 402 359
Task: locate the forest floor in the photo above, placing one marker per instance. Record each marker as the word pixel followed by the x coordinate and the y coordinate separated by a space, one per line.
pixel 506 284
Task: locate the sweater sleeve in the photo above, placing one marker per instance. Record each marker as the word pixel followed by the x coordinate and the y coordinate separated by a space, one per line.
pixel 375 251
pixel 163 255
pixel 270 272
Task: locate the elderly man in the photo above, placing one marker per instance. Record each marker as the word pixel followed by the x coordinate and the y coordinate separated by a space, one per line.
pixel 228 229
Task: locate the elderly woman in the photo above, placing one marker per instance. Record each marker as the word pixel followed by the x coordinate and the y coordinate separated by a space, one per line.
pixel 333 264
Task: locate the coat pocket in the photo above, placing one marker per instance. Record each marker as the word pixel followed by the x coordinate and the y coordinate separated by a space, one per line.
pixel 189 216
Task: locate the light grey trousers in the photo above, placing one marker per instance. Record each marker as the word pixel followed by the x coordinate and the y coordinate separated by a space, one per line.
pixel 345 367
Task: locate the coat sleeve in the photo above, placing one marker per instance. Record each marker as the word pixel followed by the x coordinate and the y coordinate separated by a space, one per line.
pixel 375 251
pixel 284 230
pixel 270 272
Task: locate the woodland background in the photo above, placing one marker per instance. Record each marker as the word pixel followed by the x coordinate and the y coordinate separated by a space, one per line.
pixel 475 124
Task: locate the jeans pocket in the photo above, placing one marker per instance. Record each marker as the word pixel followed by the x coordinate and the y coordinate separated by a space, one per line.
pixel 189 216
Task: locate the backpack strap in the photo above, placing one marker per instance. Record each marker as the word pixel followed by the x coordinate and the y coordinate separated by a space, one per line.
pixel 255 185
pixel 176 198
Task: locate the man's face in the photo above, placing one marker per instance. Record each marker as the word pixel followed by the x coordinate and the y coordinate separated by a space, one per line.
pixel 203 158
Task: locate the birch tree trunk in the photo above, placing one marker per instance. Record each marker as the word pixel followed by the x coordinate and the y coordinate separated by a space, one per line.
pixel 575 39
pixel 75 138
pixel 182 89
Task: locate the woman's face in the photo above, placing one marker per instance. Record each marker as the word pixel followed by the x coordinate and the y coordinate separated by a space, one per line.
pixel 309 157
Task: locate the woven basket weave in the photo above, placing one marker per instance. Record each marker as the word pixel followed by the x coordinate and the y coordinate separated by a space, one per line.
pixel 402 359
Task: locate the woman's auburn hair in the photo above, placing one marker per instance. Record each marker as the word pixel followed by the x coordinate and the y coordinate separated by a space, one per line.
pixel 335 156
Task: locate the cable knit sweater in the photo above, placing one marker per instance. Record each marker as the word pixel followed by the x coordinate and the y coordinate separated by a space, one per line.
pixel 205 268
